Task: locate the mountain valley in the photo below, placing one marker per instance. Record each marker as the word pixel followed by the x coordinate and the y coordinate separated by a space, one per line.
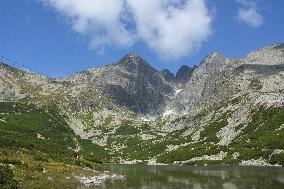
pixel 223 111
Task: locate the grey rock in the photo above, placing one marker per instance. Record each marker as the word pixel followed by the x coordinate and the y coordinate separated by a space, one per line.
pixel 184 73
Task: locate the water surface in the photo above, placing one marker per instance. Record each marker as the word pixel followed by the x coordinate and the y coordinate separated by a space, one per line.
pixel 183 177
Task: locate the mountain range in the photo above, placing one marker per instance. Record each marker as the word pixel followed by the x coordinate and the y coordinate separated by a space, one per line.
pixel 223 111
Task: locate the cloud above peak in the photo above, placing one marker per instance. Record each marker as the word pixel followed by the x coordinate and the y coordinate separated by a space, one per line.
pixel 171 28
pixel 101 20
pixel 249 14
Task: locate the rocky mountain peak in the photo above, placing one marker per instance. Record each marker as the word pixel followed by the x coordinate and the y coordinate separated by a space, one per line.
pixel 133 61
pixel 279 46
pixel 3 65
pixel 212 58
pixel 7 67
pixel 184 73
pixel 133 55
pixel 212 63
pixel 168 76
pixel 269 55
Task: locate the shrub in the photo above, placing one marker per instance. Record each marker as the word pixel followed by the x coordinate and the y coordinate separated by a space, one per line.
pixel 88 164
pixel 40 157
pixel 38 167
pixel 7 180
pixel 256 84
pixel 11 161
pixel 127 129
pixel 277 159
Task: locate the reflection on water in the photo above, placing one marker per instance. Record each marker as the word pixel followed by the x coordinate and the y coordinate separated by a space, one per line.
pixel 172 177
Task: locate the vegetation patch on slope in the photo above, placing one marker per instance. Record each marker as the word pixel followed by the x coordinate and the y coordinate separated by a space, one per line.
pixel 38 141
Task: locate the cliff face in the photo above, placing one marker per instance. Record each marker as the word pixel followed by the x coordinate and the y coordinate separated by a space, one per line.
pixel 131 83
pixel 184 73
pixel 218 78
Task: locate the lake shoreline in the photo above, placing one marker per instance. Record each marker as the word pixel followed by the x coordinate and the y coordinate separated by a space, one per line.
pixel 188 176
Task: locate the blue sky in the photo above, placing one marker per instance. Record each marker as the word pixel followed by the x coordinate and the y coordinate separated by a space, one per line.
pixel 59 39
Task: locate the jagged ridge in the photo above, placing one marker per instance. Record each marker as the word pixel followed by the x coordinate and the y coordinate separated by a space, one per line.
pixel 200 111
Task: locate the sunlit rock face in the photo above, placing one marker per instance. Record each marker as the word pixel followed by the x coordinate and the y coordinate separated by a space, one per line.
pixel 219 78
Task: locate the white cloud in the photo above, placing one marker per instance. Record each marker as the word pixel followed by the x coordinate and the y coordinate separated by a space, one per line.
pixel 101 19
pixel 171 28
pixel 251 17
pixel 249 14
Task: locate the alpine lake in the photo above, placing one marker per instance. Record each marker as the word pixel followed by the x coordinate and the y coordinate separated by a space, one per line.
pixel 193 177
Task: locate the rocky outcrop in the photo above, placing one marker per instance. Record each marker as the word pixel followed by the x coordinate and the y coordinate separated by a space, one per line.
pixel 184 73
pixel 218 78
pixel 168 76
pixel 131 83
pixel 200 90
pixel 143 89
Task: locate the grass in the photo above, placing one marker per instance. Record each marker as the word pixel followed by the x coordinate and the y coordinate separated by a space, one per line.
pixel 255 84
pixel 211 130
pixel 257 140
pixel 7 180
pixel 35 139
pixel 22 124
pixel 87 118
pixel 107 121
pixel 127 128
pixel 189 152
pixel 31 173
pixel 263 130
pixel 25 123
pixel 277 159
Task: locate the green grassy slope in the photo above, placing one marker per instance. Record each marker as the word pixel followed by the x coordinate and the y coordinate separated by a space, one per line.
pixel 258 139
pixel 44 131
pixel 34 139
